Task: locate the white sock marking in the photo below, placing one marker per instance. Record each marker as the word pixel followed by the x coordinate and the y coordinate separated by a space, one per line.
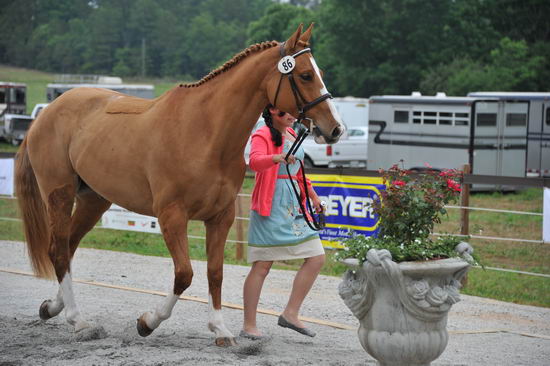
pixel 215 321
pixel 71 310
pixel 161 313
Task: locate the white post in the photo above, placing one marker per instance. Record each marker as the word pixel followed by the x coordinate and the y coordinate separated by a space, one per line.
pixel 6 176
pixel 546 216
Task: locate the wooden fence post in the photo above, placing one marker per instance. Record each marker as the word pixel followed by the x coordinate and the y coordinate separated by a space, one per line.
pixel 465 202
pixel 240 229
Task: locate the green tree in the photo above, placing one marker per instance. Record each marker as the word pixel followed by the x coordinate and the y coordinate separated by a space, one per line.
pixel 511 67
pixel 278 23
pixel 370 47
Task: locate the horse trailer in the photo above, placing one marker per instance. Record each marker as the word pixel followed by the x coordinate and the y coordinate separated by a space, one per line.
pixel 13 98
pixel 141 91
pixel 503 134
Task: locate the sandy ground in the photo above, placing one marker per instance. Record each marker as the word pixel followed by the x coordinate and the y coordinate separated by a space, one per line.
pixel 482 331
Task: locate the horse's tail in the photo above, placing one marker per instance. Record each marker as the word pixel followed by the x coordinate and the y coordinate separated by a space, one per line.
pixel 33 212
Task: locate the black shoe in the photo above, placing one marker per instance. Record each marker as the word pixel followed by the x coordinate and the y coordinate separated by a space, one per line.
pixel 286 324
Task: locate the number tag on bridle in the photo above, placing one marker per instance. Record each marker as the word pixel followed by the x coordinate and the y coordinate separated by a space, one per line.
pixel 286 64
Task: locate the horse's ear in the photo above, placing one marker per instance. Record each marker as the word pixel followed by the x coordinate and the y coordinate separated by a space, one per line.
pixel 304 38
pixel 291 43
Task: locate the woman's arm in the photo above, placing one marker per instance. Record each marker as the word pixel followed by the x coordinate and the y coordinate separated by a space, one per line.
pixel 259 159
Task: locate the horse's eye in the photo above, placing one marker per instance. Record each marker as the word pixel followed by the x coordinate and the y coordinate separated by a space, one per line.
pixel 306 77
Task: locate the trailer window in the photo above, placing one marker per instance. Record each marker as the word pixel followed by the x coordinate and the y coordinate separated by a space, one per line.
pixel 486 119
pixel 548 116
pixel 430 118
pixel 516 119
pixel 20 96
pixel 445 118
pixel 401 116
pixel 2 96
pixel 461 119
pixel 417 117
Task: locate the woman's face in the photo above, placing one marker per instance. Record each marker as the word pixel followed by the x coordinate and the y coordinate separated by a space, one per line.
pixel 281 120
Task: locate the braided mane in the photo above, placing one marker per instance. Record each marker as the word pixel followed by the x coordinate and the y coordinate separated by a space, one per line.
pixel 234 61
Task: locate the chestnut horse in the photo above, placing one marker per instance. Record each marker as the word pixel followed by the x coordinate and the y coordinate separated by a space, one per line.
pixel 178 157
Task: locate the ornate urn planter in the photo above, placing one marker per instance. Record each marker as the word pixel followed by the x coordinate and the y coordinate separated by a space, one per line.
pixel 402 307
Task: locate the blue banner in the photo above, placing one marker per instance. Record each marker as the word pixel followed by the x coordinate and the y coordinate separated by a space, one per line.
pixel 349 200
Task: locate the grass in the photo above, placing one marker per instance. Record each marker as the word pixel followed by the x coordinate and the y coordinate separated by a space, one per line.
pixel 530 257
pixel 510 287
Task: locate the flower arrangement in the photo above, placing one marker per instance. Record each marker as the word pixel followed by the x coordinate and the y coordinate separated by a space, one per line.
pixel 408 210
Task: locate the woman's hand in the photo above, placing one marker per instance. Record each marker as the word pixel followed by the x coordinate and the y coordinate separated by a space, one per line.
pixel 280 158
pixel 317 204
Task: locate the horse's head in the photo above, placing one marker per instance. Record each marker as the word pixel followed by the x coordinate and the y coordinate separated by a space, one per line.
pixel 296 86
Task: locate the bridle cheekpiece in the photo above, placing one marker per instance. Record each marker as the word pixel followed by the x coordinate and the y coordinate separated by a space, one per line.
pixel 286 66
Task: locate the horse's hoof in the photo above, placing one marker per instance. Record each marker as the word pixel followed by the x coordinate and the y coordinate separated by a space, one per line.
pixel 43 311
pixel 226 342
pixel 142 328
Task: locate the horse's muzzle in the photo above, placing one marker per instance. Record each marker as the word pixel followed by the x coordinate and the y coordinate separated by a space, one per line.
pixel 321 138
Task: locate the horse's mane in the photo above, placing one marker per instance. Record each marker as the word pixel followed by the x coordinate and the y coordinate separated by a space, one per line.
pixel 234 61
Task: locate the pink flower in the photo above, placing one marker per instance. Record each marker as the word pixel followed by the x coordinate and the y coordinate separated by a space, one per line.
pixel 399 183
pixel 447 173
pixel 453 185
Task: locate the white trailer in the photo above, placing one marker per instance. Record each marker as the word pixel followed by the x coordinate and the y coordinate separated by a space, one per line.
pixel 522 131
pixel 490 131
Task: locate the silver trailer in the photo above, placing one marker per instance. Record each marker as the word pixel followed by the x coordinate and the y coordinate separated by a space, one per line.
pixel 496 133
pixel 142 91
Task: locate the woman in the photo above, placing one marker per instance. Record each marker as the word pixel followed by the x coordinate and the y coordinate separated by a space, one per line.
pixel 277 228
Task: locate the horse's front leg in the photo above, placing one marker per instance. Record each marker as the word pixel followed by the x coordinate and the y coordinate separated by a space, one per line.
pixel 173 222
pixel 216 235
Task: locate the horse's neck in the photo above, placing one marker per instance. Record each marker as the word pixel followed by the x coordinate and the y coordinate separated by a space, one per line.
pixel 238 96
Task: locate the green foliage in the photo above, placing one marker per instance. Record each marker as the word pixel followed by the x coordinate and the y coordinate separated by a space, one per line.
pixel 357 246
pixel 278 23
pixel 365 47
pixel 510 67
pixel 408 210
pixel 109 37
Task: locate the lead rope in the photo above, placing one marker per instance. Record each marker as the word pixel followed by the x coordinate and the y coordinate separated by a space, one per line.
pixel 314 224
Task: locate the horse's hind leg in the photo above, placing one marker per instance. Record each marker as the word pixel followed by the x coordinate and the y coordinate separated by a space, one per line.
pixel 216 235
pixel 60 204
pixel 89 208
pixel 173 222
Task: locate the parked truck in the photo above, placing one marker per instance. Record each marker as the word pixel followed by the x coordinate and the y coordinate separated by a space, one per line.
pixel 15 126
pixel 350 150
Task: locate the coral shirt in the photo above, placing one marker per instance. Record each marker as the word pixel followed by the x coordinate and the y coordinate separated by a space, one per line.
pixel 261 153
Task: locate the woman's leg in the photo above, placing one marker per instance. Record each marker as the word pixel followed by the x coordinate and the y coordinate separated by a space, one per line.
pixel 302 284
pixel 251 294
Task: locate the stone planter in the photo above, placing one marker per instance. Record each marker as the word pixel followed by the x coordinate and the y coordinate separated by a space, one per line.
pixel 402 307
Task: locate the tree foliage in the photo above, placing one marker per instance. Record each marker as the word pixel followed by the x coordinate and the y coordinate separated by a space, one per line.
pixel 364 47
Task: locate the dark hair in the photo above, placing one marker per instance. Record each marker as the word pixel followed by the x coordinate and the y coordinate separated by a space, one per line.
pixel 276 136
